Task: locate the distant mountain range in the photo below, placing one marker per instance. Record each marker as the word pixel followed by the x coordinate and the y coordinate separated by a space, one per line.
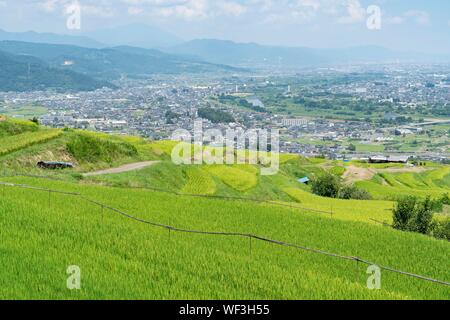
pixel 250 55
pixel 51 38
pixel 89 62
pixel 91 67
pixel 255 55
pixel 136 35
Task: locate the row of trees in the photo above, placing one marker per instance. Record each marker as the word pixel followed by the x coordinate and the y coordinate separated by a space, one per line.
pixel 416 215
pixel 215 116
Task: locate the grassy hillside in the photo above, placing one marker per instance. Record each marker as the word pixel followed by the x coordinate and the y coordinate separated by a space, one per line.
pixel 434 180
pixel 43 233
pixel 123 258
pixel 24 144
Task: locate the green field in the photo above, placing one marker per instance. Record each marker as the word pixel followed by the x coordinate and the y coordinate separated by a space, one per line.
pixel 23 111
pixel 20 141
pixel 43 233
pixel 122 258
pixel 199 182
pixel 434 182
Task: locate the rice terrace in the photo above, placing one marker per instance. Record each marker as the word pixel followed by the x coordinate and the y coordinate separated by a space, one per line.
pixel 176 232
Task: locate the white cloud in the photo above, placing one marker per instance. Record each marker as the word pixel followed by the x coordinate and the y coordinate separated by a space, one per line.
pixel 261 5
pixel 135 11
pixel 265 11
pixel 420 17
pixel 48 5
pixel 99 8
pixel 232 8
pixel 313 4
pixel 355 12
pixel 98 11
pixel 189 9
pixel 304 11
pixel 395 20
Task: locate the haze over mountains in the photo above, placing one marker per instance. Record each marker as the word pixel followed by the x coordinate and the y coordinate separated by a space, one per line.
pixel 255 55
pixel 110 54
pixel 52 38
pixel 78 63
pixel 136 35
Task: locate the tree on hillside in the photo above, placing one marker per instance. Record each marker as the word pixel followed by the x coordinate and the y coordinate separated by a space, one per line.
pixel 411 214
pixel 403 213
pixel 423 217
pixel 35 120
pixel 353 192
pixel 326 185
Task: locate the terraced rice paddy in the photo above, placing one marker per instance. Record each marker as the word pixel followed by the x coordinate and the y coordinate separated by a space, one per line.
pixel 199 182
pixel 120 258
pixel 235 177
pixel 43 233
pixel 434 182
pixel 17 142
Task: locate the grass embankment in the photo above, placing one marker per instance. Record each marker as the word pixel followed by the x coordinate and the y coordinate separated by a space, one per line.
pixel 120 258
pixel 92 151
pixel 23 144
pixel 390 185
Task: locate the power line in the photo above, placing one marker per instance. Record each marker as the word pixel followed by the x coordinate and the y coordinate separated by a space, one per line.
pixel 179 194
pixel 231 234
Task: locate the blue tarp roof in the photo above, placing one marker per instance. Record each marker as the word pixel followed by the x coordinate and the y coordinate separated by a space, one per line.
pixel 303 180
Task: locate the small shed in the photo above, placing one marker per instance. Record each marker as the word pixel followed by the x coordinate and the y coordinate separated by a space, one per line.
pixel 304 180
pixel 54 165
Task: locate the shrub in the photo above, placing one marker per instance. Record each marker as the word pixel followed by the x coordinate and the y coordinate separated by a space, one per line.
pixel 351 147
pixel 326 185
pixel 35 120
pixel 437 205
pixel 445 199
pixel 441 229
pixel 411 214
pixel 403 213
pixel 423 217
pixel 352 192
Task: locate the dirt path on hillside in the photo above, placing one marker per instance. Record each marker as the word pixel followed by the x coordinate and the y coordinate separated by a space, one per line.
pixel 353 174
pixel 121 169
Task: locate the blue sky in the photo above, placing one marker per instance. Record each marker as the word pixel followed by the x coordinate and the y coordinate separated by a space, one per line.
pixel 419 25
